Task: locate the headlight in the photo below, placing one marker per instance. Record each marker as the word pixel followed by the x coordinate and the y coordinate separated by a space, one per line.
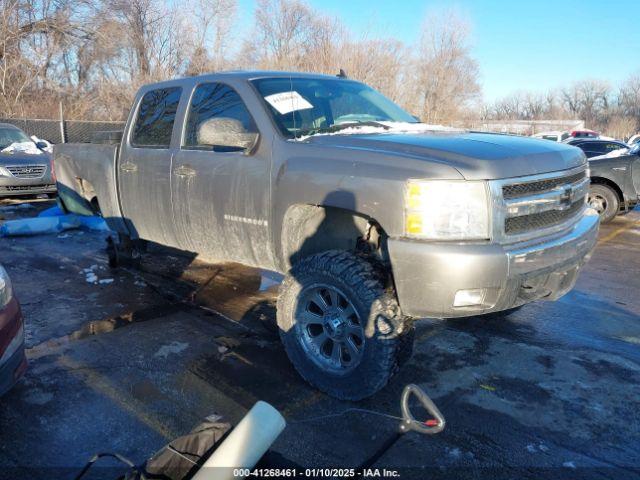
pixel 447 210
pixel 6 291
pixel 4 172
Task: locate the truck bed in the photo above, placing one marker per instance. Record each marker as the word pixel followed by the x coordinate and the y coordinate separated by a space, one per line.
pixel 85 171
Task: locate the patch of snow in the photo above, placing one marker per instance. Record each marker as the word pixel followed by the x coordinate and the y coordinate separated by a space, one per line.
pixel 105 281
pixel 90 275
pixel 23 147
pixel 172 348
pixel 531 448
pixel 140 283
pixel 387 127
pixel 612 154
pixel 48 148
pixel 569 465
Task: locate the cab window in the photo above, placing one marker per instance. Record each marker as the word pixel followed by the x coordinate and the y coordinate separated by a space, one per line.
pixel 218 120
pixel 155 119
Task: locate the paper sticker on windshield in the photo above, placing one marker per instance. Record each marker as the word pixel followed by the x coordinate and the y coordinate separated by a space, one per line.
pixel 286 102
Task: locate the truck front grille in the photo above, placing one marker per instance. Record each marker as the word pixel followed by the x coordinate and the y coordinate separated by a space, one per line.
pixel 27 171
pixel 530 207
pixel 540 186
pixel 536 221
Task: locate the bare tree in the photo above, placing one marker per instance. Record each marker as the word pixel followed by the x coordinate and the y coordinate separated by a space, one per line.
pixel 377 62
pixel 629 98
pixel 444 73
pixel 621 127
pixel 209 34
pixel 290 35
pixel 588 100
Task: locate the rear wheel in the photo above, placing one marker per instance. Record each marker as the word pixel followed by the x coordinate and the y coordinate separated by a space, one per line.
pixel 604 200
pixel 341 329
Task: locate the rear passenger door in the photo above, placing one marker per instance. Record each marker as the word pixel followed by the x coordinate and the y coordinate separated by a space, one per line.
pixel 220 190
pixel 144 167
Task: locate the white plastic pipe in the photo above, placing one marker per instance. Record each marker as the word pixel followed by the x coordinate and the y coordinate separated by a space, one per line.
pixel 245 445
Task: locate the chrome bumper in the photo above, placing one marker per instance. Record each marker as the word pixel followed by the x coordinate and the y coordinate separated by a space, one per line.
pixel 428 275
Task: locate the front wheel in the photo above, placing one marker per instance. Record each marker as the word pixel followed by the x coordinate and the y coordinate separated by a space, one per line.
pixel 341 329
pixel 604 200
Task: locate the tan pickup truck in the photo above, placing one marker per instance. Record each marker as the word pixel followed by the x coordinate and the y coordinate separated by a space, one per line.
pixel 374 218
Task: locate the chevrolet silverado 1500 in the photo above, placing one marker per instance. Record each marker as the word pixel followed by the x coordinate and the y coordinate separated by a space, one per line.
pixel 374 218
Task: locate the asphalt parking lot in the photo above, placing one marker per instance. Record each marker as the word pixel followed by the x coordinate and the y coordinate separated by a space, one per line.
pixel 126 360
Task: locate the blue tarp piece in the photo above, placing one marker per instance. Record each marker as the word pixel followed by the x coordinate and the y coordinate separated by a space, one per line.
pixel 50 224
pixel 51 212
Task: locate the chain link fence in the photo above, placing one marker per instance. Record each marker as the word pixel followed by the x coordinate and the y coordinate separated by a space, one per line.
pixel 57 131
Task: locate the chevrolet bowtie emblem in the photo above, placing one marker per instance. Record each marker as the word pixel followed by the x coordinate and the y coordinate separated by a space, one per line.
pixel 565 198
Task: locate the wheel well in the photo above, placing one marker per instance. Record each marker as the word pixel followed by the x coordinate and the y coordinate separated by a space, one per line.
pixel 88 193
pixel 609 183
pixel 310 229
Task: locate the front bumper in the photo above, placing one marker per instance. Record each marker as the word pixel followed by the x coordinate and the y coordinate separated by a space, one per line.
pixel 13 361
pixel 428 275
pixel 11 186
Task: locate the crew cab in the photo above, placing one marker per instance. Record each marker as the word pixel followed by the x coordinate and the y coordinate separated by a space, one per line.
pixel 374 218
pixel 615 182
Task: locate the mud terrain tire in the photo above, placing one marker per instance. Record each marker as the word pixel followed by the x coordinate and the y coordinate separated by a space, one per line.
pixel 387 339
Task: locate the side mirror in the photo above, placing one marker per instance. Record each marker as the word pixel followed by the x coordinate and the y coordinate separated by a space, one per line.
pixel 42 145
pixel 226 133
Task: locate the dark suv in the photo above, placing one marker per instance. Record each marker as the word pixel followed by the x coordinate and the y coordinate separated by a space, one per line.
pixel 594 147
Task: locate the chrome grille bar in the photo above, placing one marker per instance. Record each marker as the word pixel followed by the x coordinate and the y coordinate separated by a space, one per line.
pixel 27 171
pixel 527 208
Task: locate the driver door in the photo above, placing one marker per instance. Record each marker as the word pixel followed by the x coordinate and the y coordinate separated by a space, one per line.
pixel 220 180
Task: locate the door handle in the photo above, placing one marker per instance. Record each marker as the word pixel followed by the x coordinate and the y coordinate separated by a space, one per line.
pixel 128 167
pixel 184 171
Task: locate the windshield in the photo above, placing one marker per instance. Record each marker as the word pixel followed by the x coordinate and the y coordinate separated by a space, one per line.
pixel 9 136
pixel 304 106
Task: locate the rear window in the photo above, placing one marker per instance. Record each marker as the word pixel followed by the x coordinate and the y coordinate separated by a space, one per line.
pixel 594 149
pixel 156 116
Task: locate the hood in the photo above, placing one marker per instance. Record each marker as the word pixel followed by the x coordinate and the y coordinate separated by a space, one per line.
pixel 477 156
pixel 21 158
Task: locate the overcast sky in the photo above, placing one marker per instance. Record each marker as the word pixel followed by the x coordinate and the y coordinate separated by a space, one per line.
pixel 528 45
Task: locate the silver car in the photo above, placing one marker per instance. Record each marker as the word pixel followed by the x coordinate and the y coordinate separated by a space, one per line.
pixel 25 168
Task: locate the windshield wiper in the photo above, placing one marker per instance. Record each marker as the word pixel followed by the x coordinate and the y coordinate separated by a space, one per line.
pixel 341 126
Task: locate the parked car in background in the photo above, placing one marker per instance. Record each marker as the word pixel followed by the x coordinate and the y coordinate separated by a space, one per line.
pixel 584 134
pixel 554 136
pixel 25 166
pixel 13 361
pixel 615 183
pixel 595 147
pixel 375 219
